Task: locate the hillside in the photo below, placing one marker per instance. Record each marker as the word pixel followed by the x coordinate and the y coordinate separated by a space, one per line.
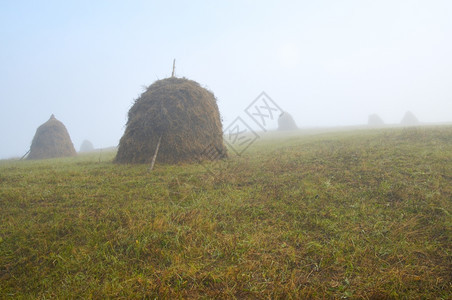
pixel 350 214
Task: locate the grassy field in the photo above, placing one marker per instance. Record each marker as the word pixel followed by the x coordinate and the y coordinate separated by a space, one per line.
pixel 359 214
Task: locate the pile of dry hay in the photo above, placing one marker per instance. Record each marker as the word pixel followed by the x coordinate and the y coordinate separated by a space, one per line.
pixel 86 146
pixel 51 140
pixel 286 122
pixel 375 120
pixel 183 115
pixel 409 119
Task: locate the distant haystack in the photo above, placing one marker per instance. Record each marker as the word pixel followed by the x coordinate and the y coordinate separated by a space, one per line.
pixel 51 140
pixel 375 121
pixel 409 119
pixel 180 117
pixel 86 146
pixel 286 122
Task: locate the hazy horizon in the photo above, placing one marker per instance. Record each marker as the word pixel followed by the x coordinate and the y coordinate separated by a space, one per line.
pixel 324 62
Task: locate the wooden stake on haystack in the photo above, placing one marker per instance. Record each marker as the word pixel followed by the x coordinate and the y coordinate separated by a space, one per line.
pixel 155 155
pixel 25 154
pixel 174 67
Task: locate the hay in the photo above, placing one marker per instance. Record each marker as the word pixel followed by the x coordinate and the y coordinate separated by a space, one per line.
pixel 183 114
pixel 409 119
pixel 51 141
pixel 286 122
pixel 86 146
pixel 374 120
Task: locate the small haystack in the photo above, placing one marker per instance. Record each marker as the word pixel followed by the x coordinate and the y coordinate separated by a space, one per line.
pixel 409 119
pixel 179 113
pixel 375 121
pixel 51 140
pixel 286 122
pixel 86 146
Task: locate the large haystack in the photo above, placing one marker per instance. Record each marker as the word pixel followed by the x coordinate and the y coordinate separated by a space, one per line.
pixel 86 146
pixel 286 122
pixel 409 119
pixel 51 140
pixel 374 120
pixel 180 112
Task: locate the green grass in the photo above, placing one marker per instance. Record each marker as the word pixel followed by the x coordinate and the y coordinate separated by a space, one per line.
pixel 360 214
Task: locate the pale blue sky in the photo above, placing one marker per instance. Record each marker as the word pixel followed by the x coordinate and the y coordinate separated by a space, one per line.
pixel 326 62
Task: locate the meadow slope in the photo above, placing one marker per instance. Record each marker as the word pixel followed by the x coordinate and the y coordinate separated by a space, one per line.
pixel 359 214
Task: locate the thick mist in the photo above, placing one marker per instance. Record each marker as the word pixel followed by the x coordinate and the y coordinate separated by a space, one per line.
pixel 326 63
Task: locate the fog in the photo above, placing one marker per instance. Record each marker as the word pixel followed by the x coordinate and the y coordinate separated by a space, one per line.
pixel 328 63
